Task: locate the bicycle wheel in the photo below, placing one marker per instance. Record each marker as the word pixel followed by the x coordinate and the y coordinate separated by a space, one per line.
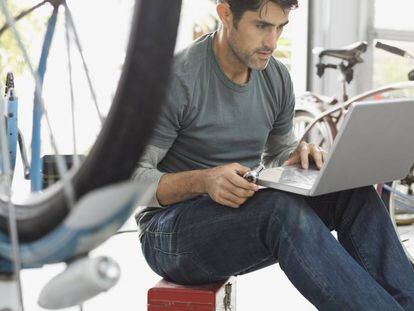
pixel 320 135
pixel 126 129
pixel 401 207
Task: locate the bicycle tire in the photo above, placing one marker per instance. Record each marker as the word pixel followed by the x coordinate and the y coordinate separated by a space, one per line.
pixel 399 222
pixel 391 203
pixel 326 128
pixel 135 107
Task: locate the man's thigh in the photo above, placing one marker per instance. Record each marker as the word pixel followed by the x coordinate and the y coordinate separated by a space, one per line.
pixel 337 207
pixel 199 240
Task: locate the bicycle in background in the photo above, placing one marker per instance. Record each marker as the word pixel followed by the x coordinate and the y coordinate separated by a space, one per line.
pixel 310 105
pixel 399 195
pixel 324 116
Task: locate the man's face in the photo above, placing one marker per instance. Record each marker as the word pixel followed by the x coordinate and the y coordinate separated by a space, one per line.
pixel 256 35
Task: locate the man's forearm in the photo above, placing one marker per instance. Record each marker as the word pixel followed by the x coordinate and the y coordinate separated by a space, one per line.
pixel 278 148
pixel 176 187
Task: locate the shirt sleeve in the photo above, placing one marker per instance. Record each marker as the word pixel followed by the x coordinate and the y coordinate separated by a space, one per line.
pixel 278 148
pixel 172 114
pixel 286 105
pixel 147 176
pixel 281 141
pixel 164 134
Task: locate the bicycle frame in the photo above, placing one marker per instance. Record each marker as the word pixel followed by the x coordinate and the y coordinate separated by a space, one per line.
pixel 12 112
pixel 35 167
pixel 11 104
pixel 343 107
pixel 12 130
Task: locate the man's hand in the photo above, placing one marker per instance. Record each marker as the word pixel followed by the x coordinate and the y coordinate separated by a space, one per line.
pixel 225 185
pixel 303 152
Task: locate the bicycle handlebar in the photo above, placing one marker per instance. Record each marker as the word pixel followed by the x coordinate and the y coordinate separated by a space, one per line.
pixel 393 50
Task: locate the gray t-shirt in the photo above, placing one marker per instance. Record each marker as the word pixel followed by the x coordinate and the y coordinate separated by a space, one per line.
pixel 208 120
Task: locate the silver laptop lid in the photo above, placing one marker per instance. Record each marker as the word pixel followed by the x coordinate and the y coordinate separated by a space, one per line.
pixel 374 145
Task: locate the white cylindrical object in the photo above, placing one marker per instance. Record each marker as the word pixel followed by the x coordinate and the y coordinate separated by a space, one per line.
pixel 81 280
pixel 8 293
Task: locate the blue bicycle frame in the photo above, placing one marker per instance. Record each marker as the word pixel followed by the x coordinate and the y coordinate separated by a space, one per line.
pixel 36 165
pixel 11 130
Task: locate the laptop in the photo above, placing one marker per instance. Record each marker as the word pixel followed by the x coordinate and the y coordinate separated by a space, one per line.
pixel 375 144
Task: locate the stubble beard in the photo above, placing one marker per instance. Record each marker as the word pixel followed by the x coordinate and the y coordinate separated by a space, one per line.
pixel 242 56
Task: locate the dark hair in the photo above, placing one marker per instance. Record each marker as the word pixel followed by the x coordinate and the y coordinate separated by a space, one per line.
pixel 239 7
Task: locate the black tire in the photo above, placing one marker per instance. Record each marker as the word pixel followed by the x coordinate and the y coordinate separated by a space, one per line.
pixel 129 123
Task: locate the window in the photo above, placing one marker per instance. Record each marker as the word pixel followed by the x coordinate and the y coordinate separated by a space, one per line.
pixel 394 25
pixel 394 15
pixel 199 17
pixel 390 68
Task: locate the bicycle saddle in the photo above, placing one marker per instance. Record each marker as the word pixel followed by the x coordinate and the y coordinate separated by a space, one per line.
pixel 348 53
pixel 411 75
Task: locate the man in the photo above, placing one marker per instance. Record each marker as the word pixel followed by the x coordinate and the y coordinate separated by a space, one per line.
pixel 230 105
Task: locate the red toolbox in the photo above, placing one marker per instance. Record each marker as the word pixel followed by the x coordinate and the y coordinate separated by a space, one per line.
pixel 165 296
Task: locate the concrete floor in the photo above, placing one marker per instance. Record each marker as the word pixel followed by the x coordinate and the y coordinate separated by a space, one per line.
pixel 407 237
pixel 267 289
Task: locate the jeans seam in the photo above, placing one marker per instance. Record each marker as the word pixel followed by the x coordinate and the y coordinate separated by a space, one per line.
pixel 345 222
pixel 254 265
pixel 171 253
pixel 323 288
pixel 192 254
pixel 365 264
pixel 160 232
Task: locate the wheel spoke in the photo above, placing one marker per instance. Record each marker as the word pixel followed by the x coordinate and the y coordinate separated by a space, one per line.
pixel 72 99
pixel 85 66
pixel 61 166
pixel 133 113
pixel 21 15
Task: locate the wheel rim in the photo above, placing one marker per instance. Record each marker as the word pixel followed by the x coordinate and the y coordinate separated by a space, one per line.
pixel 152 42
pixel 404 231
pixel 320 134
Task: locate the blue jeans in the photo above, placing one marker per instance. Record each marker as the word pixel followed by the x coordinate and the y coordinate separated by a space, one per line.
pixel 200 241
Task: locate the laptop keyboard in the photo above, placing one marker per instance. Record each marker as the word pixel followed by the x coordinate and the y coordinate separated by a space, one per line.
pixel 295 175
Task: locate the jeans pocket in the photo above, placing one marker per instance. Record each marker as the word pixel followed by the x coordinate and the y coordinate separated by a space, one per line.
pixel 182 268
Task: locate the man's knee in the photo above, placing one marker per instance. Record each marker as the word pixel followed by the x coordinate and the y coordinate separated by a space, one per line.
pixel 364 192
pixel 286 217
pixel 285 209
pixel 363 196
